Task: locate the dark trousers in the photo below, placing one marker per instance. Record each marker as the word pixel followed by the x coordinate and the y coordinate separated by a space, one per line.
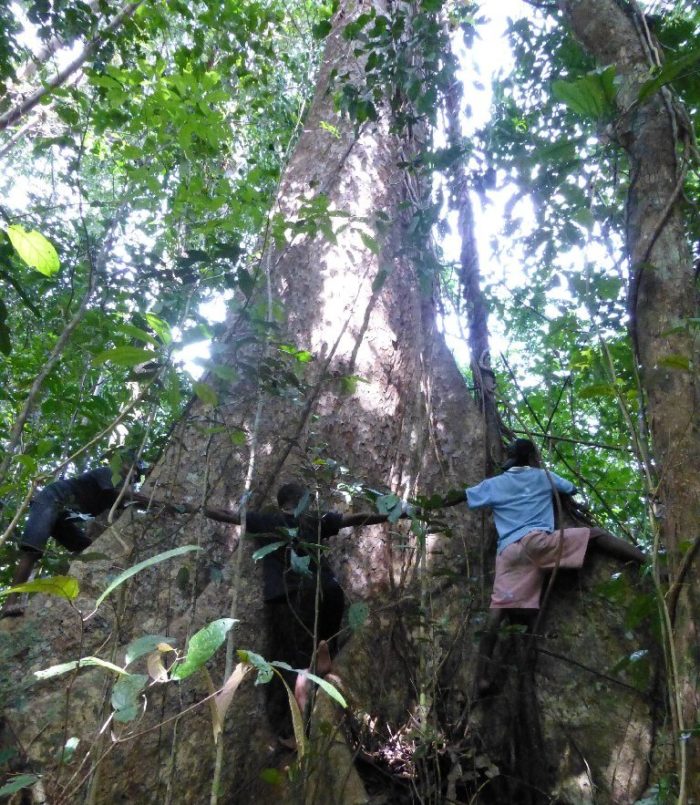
pixel 291 628
pixel 48 518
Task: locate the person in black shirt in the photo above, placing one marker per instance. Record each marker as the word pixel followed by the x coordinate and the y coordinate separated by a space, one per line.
pixel 293 573
pixel 53 513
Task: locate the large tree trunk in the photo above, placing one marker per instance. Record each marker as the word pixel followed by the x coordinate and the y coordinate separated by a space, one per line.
pixel 564 728
pixel 663 300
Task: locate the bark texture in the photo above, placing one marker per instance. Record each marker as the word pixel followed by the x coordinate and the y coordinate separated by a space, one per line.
pixel 662 298
pixel 567 727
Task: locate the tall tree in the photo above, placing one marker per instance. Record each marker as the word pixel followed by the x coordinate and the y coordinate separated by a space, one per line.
pixel 331 369
pixel 657 134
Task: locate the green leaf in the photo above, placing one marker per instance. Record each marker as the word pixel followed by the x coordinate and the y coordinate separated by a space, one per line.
pixel 681 362
pixel 348 383
pixel 591 96
pixel 669 72
pixel 597 390
pixel 390 505
pixel 18 783
pixel 321 29
pixel 132 571
pixel 137 333
pixel 34 249
pixel 330 128
pixel 227 373
pixel 90 556
pixel 370 242
pixel 65 755
pixel 206 393
pixel 261 665
pixel 84 662
pixel 203 644
pixel 273 546
pixel 161 328
pixel 125 356
pixel 357 615
pixel 61 586
pixel 144 645
pixel 126 696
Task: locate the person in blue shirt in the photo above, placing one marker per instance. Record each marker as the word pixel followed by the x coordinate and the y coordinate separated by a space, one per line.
pixel 528 544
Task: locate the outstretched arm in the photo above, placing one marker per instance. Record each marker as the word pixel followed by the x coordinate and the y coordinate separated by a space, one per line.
pixel 364 518
pixel 220 515
pixel 453 498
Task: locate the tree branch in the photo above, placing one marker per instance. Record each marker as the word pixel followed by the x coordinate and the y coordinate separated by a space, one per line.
pixel 17 112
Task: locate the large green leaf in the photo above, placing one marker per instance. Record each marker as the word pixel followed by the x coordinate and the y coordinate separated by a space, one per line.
pixel 34 249
pixel 61 586
pixel 125 356
pixel 132 571
pixel 203 644
pixel 591 96
pixel 669 72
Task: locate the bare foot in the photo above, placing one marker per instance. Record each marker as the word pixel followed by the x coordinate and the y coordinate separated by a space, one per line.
pixel 301 692
pixel 324 664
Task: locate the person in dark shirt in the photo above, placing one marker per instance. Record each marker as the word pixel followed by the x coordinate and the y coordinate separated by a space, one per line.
pixel 295 574
pixel 55 511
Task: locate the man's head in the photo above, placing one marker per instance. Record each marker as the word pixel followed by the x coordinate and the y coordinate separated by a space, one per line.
pixel 289 495
pixel 521 453
pixel 125 460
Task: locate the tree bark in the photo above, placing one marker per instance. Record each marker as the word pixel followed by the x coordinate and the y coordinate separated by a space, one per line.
pixel 662 299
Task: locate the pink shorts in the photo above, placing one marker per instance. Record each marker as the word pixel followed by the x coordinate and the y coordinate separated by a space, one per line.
pixel 521 566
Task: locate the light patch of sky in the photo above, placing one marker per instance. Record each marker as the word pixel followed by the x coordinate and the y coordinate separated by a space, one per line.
pixel 489 56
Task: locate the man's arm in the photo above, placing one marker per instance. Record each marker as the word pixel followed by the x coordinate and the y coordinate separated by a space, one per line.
pixel 364 518
pixel 453 498
pixel 220 515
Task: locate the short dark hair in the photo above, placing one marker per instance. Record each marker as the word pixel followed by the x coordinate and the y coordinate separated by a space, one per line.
pixel 521 453
pixel 290 493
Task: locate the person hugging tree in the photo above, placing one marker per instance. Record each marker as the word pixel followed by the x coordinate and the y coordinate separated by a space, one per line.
pixel 521 499
pixel 303 598
pixel 56 512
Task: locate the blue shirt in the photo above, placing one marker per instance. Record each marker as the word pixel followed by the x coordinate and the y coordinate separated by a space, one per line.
pixel 521 500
